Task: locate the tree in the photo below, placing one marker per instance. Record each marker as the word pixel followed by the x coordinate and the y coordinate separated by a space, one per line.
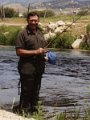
pixel 83 12
pixel 10 12
pixel 2 13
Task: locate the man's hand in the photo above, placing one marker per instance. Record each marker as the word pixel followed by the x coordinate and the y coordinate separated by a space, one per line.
pixel 40 51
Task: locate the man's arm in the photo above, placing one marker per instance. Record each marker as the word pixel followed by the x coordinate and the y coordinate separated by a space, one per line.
pixel 23 52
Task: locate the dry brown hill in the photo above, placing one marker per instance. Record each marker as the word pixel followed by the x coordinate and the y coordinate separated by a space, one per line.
pixel 17 7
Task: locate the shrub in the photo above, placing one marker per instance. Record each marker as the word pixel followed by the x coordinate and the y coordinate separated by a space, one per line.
pixel 46 13
pixel 88 29
pixel 49 13
pixel 86 43
pixel 8 34
pixel 63 40
pixel 83 13
pixel 9 12
pixel 11 37
pixel 85 46
pixel 2 39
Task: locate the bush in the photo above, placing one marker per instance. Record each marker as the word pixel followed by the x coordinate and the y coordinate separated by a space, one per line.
pixel 86 43
pixel 83 13
pixel 63 40
pixel 8 12
pixel 2 39
pixel 12 37
pixel 85 46
pixel 48 13
pixel 44 13
pixel 88 29
pixel 8 35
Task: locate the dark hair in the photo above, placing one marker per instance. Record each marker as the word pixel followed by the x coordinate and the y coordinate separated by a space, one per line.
pixel 32 14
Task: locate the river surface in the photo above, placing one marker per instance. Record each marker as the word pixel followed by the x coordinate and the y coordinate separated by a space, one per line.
pixel 65 86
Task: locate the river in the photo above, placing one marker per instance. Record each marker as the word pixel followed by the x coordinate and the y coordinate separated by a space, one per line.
pixel 65 86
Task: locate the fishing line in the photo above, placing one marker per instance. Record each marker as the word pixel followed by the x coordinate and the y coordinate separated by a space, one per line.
pixel 74 21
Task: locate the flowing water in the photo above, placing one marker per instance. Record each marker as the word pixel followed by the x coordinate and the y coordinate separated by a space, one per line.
pixel 65 86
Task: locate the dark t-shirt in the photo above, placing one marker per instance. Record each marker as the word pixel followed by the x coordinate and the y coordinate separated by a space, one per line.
pixel 27 40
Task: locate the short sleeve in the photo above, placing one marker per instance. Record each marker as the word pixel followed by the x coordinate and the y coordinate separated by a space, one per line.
pixel 20 41
pixel 43 39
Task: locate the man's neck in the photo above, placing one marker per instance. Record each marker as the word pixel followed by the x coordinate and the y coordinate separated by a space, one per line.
pixel 32 30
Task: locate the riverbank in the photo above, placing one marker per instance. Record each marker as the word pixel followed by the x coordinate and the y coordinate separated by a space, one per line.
pixel 6 115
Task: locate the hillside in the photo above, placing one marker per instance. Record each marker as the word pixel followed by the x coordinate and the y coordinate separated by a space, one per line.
pixel 17 7
pixel 49 3
pixel 24 2
pixel 68 3
pixel 22 5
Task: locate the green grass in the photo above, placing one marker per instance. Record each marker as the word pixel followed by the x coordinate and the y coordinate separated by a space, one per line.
pixel 14 20
pixel 8 34
pixel 63 41
pixel 48 19
pixel 74 114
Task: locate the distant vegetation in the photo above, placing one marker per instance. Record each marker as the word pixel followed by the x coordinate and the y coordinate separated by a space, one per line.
pixel 8 35
pixel 43 13
pixel 7 12
pixel 83 13
pixel 86 44
pixel 62 41
pixel 10 12
pixel 46 13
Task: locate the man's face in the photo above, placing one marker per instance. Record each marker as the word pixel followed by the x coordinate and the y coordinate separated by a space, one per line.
pixel 33 22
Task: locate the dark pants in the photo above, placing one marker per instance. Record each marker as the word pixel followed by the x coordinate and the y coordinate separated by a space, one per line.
pixel 30 86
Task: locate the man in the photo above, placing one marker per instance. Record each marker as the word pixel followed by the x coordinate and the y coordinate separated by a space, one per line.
pixel 30 45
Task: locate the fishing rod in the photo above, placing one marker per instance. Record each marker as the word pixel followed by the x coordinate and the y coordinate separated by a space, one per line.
pixel 74 21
